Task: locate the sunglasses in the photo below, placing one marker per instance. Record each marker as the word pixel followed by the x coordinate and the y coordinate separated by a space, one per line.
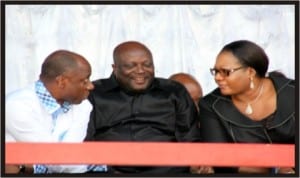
pixel 224 72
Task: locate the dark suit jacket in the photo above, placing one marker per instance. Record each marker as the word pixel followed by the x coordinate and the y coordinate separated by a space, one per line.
pixel 220 120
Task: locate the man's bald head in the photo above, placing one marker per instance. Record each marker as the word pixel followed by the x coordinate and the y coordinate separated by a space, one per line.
pixel 59 62
pixel 190 83
pixel 129 46
pixel 65 75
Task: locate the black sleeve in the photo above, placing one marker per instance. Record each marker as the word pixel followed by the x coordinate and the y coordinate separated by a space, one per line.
pixel 91 125
pixel 187 129
pixel 212 130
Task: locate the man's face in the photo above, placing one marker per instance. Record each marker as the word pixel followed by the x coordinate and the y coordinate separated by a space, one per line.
pixel 134 69
pixel 78 84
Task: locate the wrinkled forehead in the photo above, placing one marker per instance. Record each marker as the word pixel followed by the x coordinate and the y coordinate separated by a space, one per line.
pixel 140 54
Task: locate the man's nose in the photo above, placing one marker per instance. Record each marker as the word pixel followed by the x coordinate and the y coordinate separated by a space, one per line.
pixel 140 69
pixel 90 86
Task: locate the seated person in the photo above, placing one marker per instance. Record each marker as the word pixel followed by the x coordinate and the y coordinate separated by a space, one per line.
pixel 52 109
pixel 248 106
pixel 191 84
pixel 133 105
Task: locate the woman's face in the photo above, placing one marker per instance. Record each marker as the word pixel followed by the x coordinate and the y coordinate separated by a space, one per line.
pixel 230 75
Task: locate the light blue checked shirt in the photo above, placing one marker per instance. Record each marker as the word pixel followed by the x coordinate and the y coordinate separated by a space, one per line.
pixel 56 109
pixel 50 103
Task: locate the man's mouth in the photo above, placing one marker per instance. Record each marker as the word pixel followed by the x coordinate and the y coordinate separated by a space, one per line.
pixel 139 80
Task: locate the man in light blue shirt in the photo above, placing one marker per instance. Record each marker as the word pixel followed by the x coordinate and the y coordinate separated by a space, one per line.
pixel 53 109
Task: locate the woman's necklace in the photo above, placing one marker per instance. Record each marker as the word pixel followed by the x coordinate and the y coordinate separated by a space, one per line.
pixel 249 109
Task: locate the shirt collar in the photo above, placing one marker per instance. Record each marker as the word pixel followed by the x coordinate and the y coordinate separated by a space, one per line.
pixel 47 99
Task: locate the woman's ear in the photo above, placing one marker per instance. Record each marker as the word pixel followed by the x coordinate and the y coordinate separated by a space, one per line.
pixel 252 72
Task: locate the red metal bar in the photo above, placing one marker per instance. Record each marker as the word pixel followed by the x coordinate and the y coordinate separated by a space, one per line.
pixel 151 153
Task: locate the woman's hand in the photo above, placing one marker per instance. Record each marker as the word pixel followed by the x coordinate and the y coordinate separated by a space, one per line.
pixel 286 170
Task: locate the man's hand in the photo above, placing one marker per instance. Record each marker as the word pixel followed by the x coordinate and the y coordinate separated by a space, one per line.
pixel 15 169
pixel 201 170
pixel 12 169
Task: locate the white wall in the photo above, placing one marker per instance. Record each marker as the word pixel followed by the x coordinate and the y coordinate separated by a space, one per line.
pixel 183 38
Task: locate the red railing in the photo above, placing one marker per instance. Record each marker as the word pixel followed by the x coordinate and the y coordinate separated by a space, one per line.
pixel 151 153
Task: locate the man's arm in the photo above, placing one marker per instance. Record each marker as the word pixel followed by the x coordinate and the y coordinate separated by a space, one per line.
pixel 187 129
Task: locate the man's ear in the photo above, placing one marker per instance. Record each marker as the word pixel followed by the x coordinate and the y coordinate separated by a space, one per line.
pixel 60 81
pixel 114 67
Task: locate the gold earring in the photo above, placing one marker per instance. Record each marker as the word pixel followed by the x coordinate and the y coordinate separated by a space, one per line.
pixel 251 83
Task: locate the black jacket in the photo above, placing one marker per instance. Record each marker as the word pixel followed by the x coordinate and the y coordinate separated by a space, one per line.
pixel 221 122
pixel 164 113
